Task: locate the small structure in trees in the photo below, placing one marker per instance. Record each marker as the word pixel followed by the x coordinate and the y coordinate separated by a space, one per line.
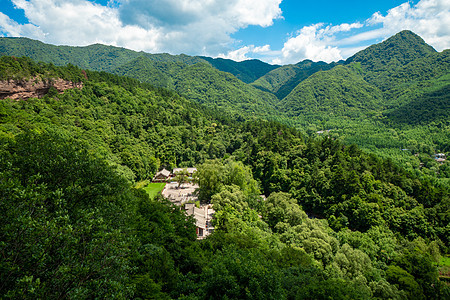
pixel 203 217
pixel 162 176
pixel 439 157
pixel 190 171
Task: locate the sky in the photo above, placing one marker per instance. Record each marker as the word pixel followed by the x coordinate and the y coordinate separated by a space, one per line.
pixel 274 31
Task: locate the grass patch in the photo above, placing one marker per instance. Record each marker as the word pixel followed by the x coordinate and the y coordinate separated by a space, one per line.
pixel 154 188
pixel 445 261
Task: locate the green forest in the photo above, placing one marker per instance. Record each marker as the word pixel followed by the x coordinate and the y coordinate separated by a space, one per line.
pixel 388 97
pixel 337 220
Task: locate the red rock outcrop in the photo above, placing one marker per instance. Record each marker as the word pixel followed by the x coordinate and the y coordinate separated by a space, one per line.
pixel 34 88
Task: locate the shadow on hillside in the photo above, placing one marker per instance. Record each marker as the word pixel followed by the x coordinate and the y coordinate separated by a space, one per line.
pixel 427 108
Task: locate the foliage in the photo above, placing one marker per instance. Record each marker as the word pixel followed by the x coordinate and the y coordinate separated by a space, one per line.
pixel 337 222
pixel 390 96
pixel 284 79
pixel 247 71
pixel 63 215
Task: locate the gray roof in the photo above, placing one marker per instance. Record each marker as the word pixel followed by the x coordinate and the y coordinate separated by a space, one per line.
pixel 164 173
pixel 189 170
pixel 201 215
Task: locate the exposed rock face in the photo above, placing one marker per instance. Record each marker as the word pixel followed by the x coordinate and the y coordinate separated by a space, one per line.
pixel 33 88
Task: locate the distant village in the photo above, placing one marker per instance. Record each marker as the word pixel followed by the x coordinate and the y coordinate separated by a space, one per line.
pixel 184 194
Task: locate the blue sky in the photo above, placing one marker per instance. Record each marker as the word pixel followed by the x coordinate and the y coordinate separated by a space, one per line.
pixel 275 31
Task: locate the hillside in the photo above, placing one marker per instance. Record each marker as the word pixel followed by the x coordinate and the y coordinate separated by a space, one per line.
pixel 212 86
pixel 246 71
pixel 393 95
pixel 397 51
pixel 284 79
pixel 72 224
pixel 156 72
pixel 95 57
pixel 337 93
pixel 203 84
pixel 223 91
pixel 390 96
pixel 108 58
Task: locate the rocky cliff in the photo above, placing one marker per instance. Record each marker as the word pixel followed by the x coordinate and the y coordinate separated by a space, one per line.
pixel 34 87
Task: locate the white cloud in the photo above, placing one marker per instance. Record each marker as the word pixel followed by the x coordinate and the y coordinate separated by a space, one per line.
pixel 77 22
pixel 237 55
pixel 175 26
pixel 262 49
pixel 313 42
pixel 205 26
pixel 198 24
pixel 233 14
pixel 15 29
pixel 241 53
pixel 428 18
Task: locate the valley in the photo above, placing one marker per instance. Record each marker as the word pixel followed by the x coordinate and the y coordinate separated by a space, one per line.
pixel 323 177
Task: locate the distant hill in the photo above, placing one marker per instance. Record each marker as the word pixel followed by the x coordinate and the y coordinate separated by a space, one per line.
pixel 393 71
pixel 94 57
pixel 247 70
pixel 334 93
pixel 398 50
pixel 381 60
pixel 204 84
pixel 391 95
pixel 283 80
pixel 156 72
pixel 99 57
pixel 213 87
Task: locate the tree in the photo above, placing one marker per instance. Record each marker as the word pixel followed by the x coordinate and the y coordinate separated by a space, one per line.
pixel 182 177
pixel 210 178
pixel 62 218
pixel 281 207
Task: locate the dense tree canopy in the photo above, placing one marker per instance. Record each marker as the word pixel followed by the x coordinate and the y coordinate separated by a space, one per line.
pixel 296 217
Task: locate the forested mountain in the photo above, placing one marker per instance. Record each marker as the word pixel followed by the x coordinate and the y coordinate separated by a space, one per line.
pixel 388 97
pixel 337 222
pixel 94 57
pixel 337 93
pixel 210 86
pixel 247 70
pixel 392 69
pixel 204 84
pixel 386 57
pixel 283 80
pixel 158 73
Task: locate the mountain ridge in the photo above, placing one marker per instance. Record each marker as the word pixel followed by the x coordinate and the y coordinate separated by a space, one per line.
pixel 367 96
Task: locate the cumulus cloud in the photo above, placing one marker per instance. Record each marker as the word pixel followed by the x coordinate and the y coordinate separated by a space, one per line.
pixel 175 26
pixel 198 24
pixel 428 18
pixel 241 53
pixel 314 42
pixel 15 29
pixel 205 27
pixel 174 13
pixel 77 22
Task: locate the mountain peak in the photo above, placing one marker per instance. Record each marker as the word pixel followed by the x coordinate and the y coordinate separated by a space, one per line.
pixel 410 39
pixel 400 49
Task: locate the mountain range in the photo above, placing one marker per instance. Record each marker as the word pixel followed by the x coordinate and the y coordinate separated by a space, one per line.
pixel 77 146
pixel 396 90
